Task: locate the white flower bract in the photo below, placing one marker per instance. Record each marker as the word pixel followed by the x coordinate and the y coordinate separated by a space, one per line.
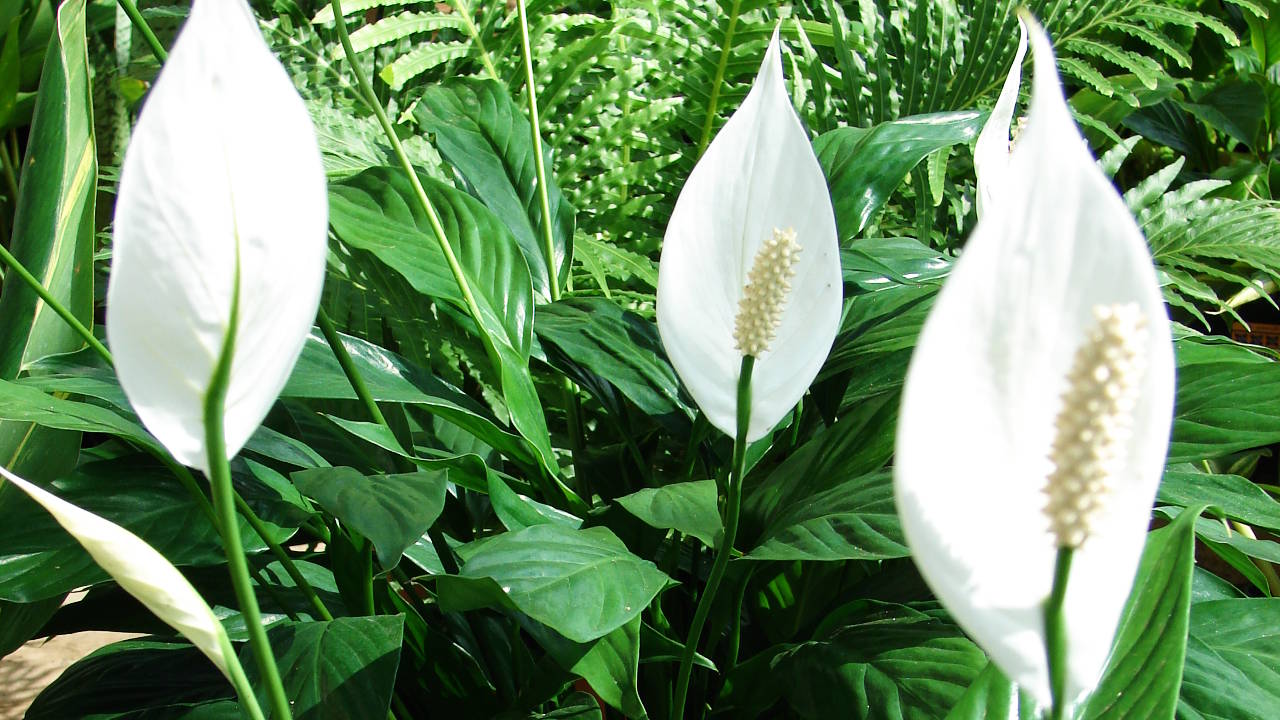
pixel 223 172
pixel 758 176
pixel 984 391
pixel 138 568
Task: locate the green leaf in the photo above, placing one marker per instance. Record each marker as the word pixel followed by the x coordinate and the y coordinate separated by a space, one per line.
pixel 1236 497
pixel 483 134
pixel 377 211
pixel 583 584
pixel 855 520
pixel 1141 679
pixel 336 670
pixel 900 665
pixel 393 511
pixel 610 665
pixel 864 166
pixel 1224 406
pixel 52 236
pixel 690 507
pixel 20 621
pixel 992 697
pixel 147 677
pixel 518 512
pixel 390 378
pixel 1233 661
pixel 39 560
pixel 602 343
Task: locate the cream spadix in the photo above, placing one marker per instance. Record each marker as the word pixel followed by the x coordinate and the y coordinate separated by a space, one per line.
pixel 750 263
pixel 998 434
pixel 222 187
pixel 139 570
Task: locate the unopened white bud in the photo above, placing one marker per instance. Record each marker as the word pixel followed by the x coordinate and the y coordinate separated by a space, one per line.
pixel 765 295
pixel 1095 422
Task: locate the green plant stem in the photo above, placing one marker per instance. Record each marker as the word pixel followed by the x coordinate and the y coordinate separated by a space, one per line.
pixel 553 276
pixel 433 217
pixel 1267 569
pixel 224 504
pixel 464 11
pixel 714 101
pixel 295 574
pixel 235 673
pixel 349 368
pixel 733 503
pixel 1055 633
pixel 140 24
pixel 54 304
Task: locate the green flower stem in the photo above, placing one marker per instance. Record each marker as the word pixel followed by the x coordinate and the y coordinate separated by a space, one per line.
pixel 235 672
pixel 553 276
pixel 53 303
pixel 1055 633
pixel 723 65
pixel 433 217
pixel 349 369
pixel 299 580
pixel 224 504
pixel 140 24
pixel 179 471
pixel 733 504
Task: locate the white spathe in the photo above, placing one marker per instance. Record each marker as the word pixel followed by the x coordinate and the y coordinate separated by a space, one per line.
pixel 223 167
pixel 758 175
pixel 985 386
pixel 991 151
pixel 138 568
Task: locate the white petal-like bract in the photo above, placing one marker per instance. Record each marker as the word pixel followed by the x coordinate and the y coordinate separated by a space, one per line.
pixel 759 175
pixel 984 389
pixel 223 169
pixel 991 152
pixel 140 570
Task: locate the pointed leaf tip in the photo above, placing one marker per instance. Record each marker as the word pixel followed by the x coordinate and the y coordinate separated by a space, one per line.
pixel 138 568
pixel 971 457
pixel 759 175
pixel 223 173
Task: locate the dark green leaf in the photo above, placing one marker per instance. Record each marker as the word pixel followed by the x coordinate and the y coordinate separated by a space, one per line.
pixel 992 697
pixel 336 670
pixel 393 511
pixel 1233 661
pixel 855 520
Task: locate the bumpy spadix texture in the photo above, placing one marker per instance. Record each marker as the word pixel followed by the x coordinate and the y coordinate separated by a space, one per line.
pixel 758 175
pixel 1095 422
pixel 980 408
pixel 223 163
pixel 139 569
pixel 765 296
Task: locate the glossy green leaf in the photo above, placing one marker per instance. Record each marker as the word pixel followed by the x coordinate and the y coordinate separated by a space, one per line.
pixel 146 677
pixel 602 343
pixel 992 697
pixel 895 666
pixel 1236 497
pixel 20 621
pixel 518 512
pixel 690 507
pixel 1233 661
pixel 393 511
pixel 855 520
pixel 38 559
pixel 53 237
pixel 336 670
pixel 864 166
pixel 1142 676
pixel 1223 406
pixel 583 584
pixel 377 211
pixel 485 136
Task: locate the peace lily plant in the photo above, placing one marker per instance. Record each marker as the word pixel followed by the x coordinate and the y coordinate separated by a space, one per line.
pixel 1037 408
pixel 218 258
pixel 749 287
